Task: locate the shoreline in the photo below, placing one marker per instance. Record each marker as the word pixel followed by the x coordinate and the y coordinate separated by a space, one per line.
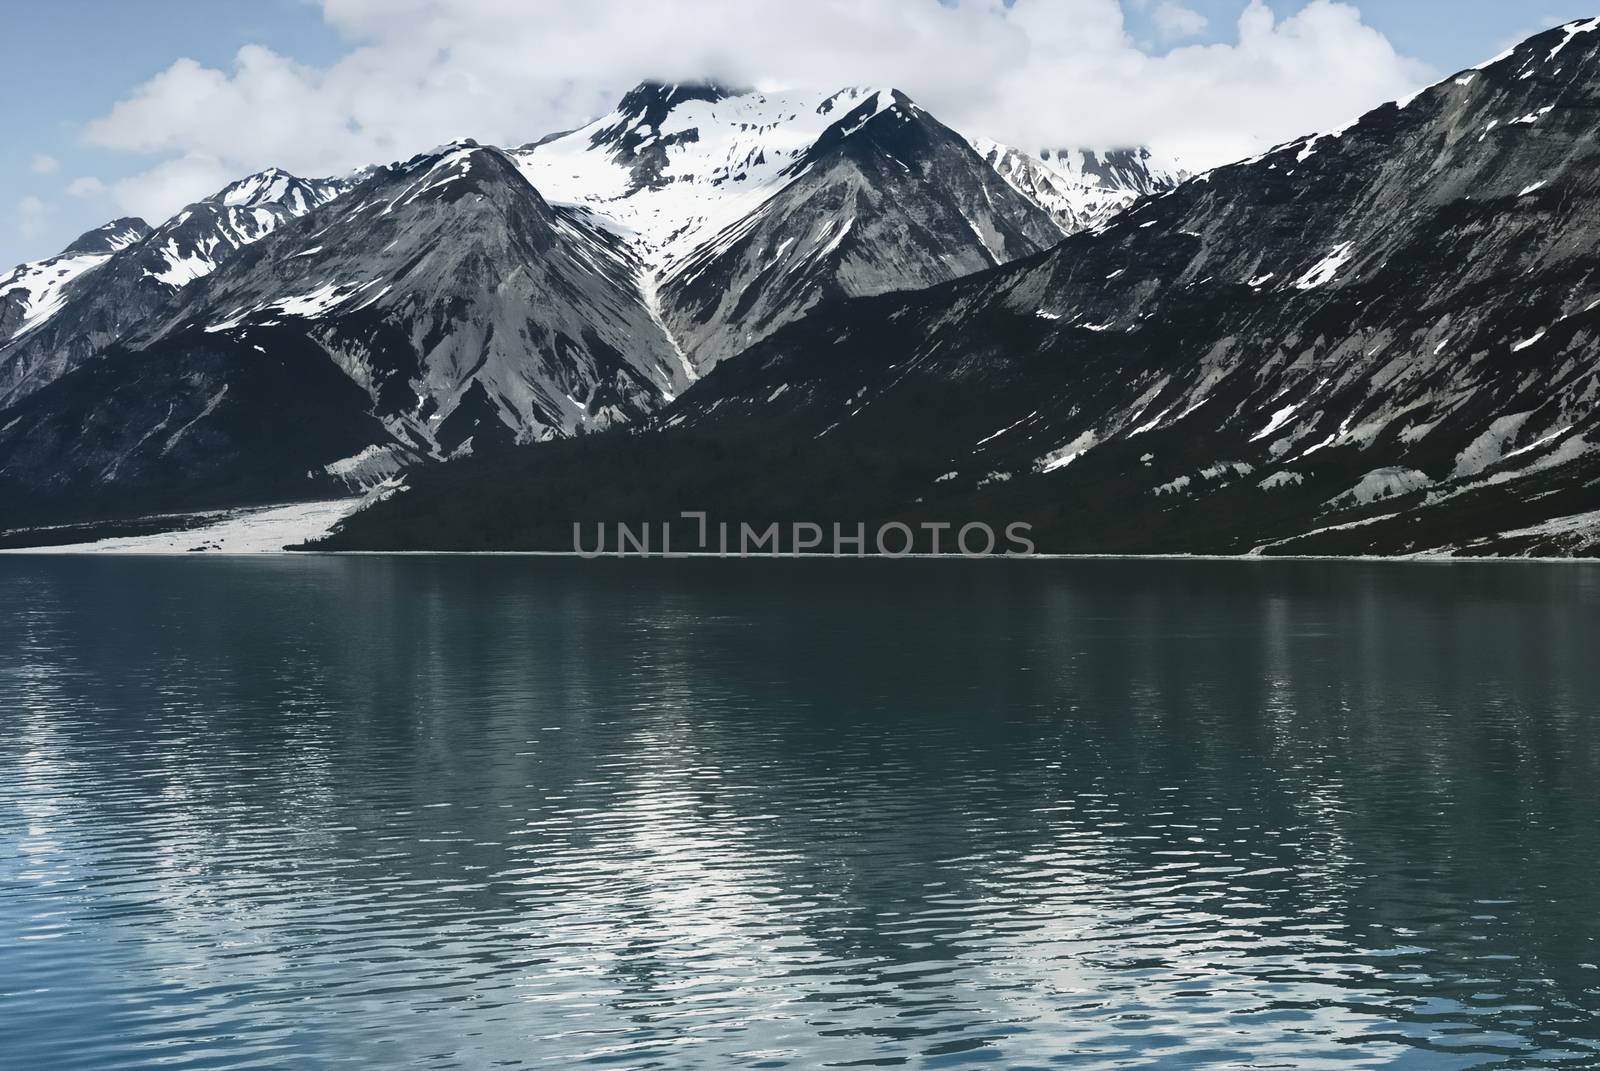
pixel 1241 559
pixel 271 531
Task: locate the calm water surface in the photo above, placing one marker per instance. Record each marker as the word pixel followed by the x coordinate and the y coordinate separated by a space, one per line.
pixel 456 813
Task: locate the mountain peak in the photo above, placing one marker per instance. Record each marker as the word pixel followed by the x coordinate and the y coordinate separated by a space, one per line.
pixel 1081 188
pixel 1546 47
pixel 645 107
pixel 650 102
pixel 633 134
pixel 872 108
pixel 261 188
pixel 275 186
pixel 109 238
pixel 1132 167
pixel 675 164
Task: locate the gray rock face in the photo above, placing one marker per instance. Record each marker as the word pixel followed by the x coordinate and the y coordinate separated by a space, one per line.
pixel 442 305
pixel 886 199
pixel 450 275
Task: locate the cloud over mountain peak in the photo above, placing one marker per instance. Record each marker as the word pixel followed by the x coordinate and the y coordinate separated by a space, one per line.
pixel 1034 72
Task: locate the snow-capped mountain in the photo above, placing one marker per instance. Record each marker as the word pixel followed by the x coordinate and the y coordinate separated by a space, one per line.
pixel 1382 340
pixel 475 296
pixel 112 280
pixel 449 281
pixel 747 209
pixel 673 165
pixel 886 199
pixel 1081 188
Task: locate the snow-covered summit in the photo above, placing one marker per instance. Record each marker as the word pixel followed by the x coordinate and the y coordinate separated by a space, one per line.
pixel 1081 188
pixel 276 186
pixel 673 165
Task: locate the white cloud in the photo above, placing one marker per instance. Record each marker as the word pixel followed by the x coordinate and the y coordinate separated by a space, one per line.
pixel 1037 73
pixel 87 187
pixel 164 189
pixel 43 164
pixel 33 217
pixel 1176 22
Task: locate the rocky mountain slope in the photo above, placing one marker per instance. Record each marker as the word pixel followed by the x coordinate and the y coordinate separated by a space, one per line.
pixel 1381 340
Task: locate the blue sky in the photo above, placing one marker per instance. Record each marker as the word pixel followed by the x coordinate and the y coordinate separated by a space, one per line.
pixel 65 65
pixel 1448 34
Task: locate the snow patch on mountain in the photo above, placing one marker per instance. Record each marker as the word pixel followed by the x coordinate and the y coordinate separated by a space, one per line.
pixel 193 243
pixel 275 186
pixel 32 293
pixel 39 289
pixel 1060 458
pixel 1326 269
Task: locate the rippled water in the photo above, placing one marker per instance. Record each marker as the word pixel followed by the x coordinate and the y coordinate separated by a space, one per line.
pixel 504 812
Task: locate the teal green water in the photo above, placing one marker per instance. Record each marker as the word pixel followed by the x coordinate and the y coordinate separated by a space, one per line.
pixel 483 813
